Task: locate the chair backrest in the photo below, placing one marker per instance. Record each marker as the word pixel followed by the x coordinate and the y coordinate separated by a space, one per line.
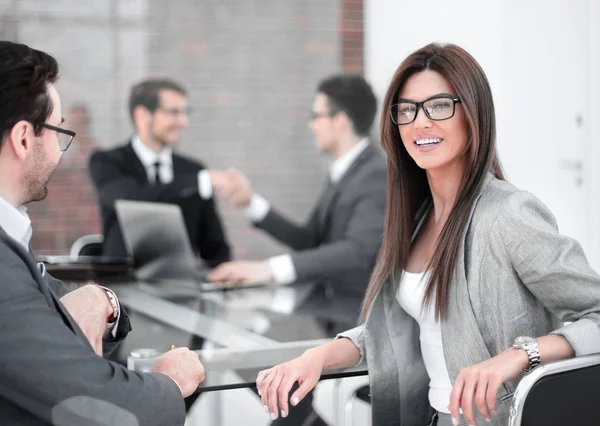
pixel 88 245
pixel 559 393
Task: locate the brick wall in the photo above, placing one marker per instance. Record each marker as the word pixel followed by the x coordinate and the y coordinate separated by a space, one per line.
pixel 251 67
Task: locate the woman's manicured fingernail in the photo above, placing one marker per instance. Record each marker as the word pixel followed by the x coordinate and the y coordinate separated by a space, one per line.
pixel 296 400
pixel 283 414
pixel 258 390
pixel 454 421
pixel 266 408
pixel 488 420
pixel 273 416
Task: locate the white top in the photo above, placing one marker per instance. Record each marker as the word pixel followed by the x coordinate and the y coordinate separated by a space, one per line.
pixel 282 266
pixel 165 169
pixel 410 296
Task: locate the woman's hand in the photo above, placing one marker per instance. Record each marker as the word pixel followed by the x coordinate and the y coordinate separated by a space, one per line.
pixel 274 384
pixel 480 383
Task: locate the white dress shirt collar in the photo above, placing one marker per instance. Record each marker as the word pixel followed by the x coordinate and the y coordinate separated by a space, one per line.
pixel 15 222
pixel 149 157
pixel 342 164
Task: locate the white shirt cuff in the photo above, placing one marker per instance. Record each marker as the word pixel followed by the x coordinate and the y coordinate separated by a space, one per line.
pixel 112 329
pixel 205 188
pixel 258 208
pixel 283 269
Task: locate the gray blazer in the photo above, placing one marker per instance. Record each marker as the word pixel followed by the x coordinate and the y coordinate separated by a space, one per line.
pixel 515 275
pixel 338 246
pixel 49 373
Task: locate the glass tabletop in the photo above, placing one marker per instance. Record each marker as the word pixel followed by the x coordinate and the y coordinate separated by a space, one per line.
pixel 231 330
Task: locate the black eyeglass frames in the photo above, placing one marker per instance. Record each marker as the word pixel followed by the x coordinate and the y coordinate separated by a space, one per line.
pixel 437 108
pixel 65 137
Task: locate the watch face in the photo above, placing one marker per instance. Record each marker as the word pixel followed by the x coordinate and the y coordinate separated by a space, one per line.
pixel 524 340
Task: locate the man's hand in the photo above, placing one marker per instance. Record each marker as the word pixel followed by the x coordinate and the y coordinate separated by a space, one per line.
pixel 242 272
pixel 232 186
pixel 90 308
pixel 184 367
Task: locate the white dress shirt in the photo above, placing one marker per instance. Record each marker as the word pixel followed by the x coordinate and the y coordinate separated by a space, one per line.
pixel 282 266
pixel 410 296
pixel 16 223
pixel 165 169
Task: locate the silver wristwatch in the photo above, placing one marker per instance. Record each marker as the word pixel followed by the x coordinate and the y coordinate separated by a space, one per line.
pixel 529 345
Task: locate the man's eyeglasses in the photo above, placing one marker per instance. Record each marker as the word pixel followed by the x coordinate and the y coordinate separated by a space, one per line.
pixel 174 112
pixel 315 115
pixel 65 137
pixel 438 108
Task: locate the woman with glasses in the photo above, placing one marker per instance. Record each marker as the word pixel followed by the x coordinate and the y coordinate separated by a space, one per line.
pixel 473 282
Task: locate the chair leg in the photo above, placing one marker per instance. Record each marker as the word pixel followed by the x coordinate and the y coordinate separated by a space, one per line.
pixel 348 406
pixel 336 402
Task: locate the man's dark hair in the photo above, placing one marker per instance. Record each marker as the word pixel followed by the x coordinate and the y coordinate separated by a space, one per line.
pixel 25 74
pixel 146 93
pixel 351 94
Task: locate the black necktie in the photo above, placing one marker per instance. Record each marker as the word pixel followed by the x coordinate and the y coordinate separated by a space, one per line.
pixel 157 172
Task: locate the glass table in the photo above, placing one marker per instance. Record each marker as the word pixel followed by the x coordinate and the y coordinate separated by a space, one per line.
pixel 227 336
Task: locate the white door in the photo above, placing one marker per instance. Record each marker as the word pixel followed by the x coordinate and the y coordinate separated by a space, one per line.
pixel 544 118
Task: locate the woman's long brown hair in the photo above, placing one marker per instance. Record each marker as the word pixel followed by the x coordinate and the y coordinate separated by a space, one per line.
pixel 407 186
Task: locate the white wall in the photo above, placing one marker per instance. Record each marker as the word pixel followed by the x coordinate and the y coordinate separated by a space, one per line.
pixel 541 59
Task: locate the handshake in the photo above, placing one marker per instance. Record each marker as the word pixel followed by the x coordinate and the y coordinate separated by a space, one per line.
pixel 231 186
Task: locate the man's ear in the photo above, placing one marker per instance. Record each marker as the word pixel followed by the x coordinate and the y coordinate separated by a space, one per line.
pixel 141 115
pixel 21 138
pixel 342 121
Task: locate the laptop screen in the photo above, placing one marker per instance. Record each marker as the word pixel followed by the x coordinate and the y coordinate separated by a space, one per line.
pixel 156 238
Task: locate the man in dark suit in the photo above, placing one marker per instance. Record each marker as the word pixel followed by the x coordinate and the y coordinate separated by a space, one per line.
pixel 147 169
pixel 53 340
pixel 337 247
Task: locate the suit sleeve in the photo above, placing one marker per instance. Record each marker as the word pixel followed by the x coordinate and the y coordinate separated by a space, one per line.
pixel 297 237
pixel 357 336
pixel 49 372
pixel 112 183
pixel 109 343
pixel 553 267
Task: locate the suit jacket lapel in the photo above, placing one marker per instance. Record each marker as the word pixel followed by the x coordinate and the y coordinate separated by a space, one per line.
pixel 333 190
pixel 178 165
pixel 54 300
pixel 52 297
pixel 137 167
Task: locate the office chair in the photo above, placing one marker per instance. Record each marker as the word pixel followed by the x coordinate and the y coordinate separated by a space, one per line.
pixel 343 406
pixel 88 245
pixel 559 393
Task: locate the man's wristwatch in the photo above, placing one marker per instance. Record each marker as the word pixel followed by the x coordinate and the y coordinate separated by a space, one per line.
pixel 529 345
pixel 115 306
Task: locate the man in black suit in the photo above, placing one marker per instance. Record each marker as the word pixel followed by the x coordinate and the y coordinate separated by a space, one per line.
pixel 337 247
pixel 147 169
pixel 53 340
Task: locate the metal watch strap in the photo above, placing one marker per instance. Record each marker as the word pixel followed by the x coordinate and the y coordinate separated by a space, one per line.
pixel 113 302
pixel 533 353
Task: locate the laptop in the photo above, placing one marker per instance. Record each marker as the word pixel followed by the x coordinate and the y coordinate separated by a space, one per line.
pixel 156 238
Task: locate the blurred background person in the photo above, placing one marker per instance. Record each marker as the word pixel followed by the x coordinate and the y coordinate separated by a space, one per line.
pixel 337 246
pixel 147 169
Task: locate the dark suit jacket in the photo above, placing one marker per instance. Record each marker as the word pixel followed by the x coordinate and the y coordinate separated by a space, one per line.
pixel 339 244
pixel 49 373
pixel 119 174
